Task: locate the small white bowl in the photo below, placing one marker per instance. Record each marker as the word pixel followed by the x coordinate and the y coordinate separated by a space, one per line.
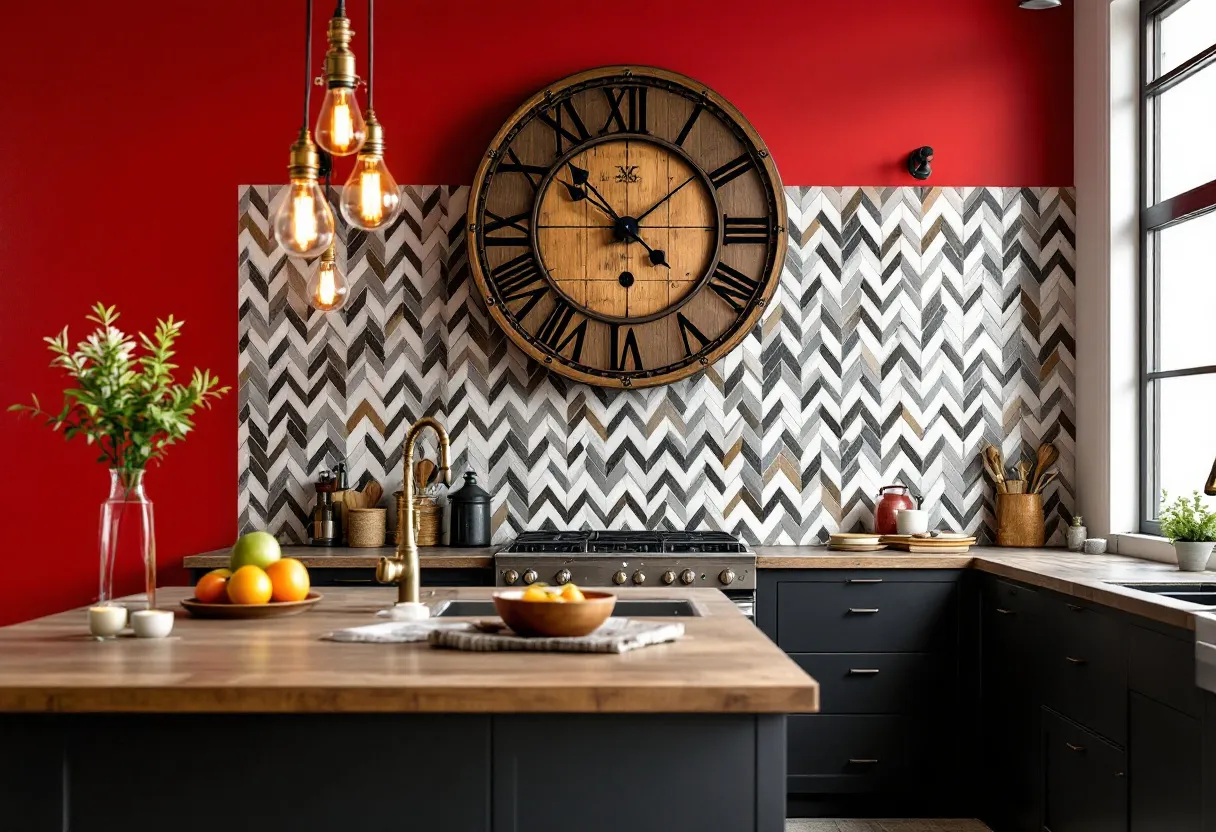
pixel 152 623
pixel 107 620
pixel 911 521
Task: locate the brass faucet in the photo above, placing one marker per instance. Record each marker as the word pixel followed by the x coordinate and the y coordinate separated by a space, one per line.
pixel 402 569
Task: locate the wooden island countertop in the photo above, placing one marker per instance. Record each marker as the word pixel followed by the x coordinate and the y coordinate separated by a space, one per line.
pixel 723 664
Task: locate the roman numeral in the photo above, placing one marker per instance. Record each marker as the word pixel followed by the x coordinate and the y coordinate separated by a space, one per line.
pixel 633 118
pixel 733 286
pixel 618 352
pixel 517 166
pixel 689 333
pixel 556 332
pixel 521 279
pixel 687 128
pixel 731 170
pixel 515 227
pixel 560 130
pixel 740 230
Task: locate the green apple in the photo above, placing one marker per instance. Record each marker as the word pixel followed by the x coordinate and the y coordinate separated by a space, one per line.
pixel 254 549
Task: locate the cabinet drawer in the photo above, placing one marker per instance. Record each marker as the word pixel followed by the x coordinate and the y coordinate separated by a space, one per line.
pixel 881 683
pixel 865 615
pixel 1086 668
pixel 1084 778
pixel 844 754
pixel 1163 668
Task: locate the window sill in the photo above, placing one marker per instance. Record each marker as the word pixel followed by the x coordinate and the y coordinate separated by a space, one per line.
pixel 1145 546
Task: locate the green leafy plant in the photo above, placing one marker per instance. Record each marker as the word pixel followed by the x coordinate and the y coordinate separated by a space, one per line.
pixel 1187 520
pixel 129 406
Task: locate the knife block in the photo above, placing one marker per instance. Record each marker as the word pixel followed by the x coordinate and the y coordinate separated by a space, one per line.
pixel 1019 520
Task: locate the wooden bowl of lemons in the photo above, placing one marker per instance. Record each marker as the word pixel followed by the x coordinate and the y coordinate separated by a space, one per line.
pixel 554 611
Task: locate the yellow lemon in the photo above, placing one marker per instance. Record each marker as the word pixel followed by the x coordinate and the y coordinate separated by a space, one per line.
pixel 570 592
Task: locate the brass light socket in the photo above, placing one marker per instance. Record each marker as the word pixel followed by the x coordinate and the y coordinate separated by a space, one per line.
pixel 330 255
pixel 305 163
pixel 373 145
pixel 339 60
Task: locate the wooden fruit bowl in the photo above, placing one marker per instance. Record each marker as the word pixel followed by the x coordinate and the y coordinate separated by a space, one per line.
pixel 554 618
pixel 275 609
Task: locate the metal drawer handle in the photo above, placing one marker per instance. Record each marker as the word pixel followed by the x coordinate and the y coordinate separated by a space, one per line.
pixel 862 761
pixel 1075 660
pixel 1004 611
pixel 863 671
pixel 864 580
pixel 861 611
pixel 1075 608
pixel 1080 749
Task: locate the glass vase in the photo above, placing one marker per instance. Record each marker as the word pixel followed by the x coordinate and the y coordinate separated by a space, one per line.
pixel 127 539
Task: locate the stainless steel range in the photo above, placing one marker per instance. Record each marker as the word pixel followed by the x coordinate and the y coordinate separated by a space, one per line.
pixel 604 558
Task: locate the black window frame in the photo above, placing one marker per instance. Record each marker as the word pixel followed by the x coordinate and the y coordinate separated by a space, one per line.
pixel 1154 216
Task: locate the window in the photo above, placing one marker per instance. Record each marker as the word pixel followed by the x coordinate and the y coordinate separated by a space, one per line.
pixel 1178 250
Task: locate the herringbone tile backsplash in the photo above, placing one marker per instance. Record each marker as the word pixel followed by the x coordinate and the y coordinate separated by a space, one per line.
pixel 911 327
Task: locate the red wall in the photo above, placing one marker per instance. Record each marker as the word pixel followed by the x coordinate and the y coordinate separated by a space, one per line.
pixel 129 131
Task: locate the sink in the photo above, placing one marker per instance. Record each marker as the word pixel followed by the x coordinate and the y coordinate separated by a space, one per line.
pixel 635 608
pixel 1199 593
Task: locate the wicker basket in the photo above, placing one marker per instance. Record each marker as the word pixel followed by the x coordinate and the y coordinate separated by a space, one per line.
pixel 366 527
pixel 429 517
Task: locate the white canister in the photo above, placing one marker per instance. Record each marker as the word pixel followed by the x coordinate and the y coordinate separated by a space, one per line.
pixel 1192 556
pixel 911 521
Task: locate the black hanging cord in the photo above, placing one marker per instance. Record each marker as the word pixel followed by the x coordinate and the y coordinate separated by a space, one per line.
pixel 371 46
pixel 307 62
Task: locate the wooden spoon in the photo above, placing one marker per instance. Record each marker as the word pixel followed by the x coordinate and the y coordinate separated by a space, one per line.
pixel 995 465
pixel 372 492
pixel 1047 457
pixel 424 470
pixel 1045 480
pixel 1024 470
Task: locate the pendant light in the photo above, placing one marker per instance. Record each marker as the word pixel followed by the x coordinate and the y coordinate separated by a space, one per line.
pixel 340 126
pixel 370 199
pixel 327 289
pixel 304 225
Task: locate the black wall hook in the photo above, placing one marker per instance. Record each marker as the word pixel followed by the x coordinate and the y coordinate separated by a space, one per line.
pixel 919 162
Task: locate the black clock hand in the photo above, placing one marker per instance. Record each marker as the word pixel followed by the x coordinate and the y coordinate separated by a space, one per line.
pixel 577 194
pixel 658 257
pixel 664 199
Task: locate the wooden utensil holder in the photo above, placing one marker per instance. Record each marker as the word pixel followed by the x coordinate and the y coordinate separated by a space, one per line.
pixel 1019 520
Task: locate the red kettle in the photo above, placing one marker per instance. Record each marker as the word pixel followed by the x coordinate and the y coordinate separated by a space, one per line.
pixel 891 498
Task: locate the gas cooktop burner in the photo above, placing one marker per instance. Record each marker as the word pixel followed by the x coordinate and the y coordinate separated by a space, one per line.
pixel 625 542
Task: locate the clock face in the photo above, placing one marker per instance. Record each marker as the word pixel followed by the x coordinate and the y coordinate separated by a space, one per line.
pixel 627 227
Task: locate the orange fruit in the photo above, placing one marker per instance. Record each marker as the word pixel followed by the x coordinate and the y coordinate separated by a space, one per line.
pixel 226 572
pixel 572 593
pixel 212 588
pixel 288 579
pixel 249 585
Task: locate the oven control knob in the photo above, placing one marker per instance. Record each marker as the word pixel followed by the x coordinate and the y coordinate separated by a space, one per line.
pixel 669 577
pixel 562 576
pixel 726 576
pixel 688 576
pixel 639 577
pixel 510 577
pixel 619 577
pixel 530 576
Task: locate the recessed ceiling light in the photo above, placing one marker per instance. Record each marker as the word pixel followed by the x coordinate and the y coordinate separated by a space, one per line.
pixel 1039 4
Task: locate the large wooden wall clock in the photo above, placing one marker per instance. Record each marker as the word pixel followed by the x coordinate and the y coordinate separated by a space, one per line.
pixel 627 227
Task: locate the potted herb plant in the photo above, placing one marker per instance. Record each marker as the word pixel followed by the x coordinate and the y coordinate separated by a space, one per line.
pixel 131 409
pixel 1191 528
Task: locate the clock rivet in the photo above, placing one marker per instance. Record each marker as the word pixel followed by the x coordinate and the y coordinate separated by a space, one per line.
pixel 704 361
pixel 763 154
pixel 760 303
pixel 627 382
pixel 473 227
pixel 781 228
pixel 548 359
pixel 548 94
pixel 489 300
pixel 628 73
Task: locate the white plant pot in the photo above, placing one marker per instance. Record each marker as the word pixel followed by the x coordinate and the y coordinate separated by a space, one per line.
pixel 1192 557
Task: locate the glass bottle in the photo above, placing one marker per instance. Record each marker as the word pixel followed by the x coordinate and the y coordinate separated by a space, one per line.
pixel 127 539
pixel 1075 535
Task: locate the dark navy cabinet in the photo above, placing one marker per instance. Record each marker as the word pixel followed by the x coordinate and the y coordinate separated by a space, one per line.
pixel 1084 779
pixel 887 649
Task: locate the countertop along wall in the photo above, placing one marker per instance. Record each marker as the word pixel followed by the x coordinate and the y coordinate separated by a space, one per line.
pixel 140 127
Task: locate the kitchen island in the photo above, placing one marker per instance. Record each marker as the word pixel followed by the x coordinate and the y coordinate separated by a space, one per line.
pixel 261 725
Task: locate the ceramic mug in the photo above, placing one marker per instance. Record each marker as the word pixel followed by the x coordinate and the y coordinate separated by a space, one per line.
pixel 152 623
pixel 911 521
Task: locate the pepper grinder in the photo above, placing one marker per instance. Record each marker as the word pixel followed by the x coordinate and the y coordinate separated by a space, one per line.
pixel 324 526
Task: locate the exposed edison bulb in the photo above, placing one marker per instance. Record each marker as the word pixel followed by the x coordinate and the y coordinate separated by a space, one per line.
pixel 327 288
pixel 370 199
pixel 340 126
pixel 304 225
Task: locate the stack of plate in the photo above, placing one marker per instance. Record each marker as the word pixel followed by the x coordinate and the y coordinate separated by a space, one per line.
pixel 854 542
pixel 946 543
